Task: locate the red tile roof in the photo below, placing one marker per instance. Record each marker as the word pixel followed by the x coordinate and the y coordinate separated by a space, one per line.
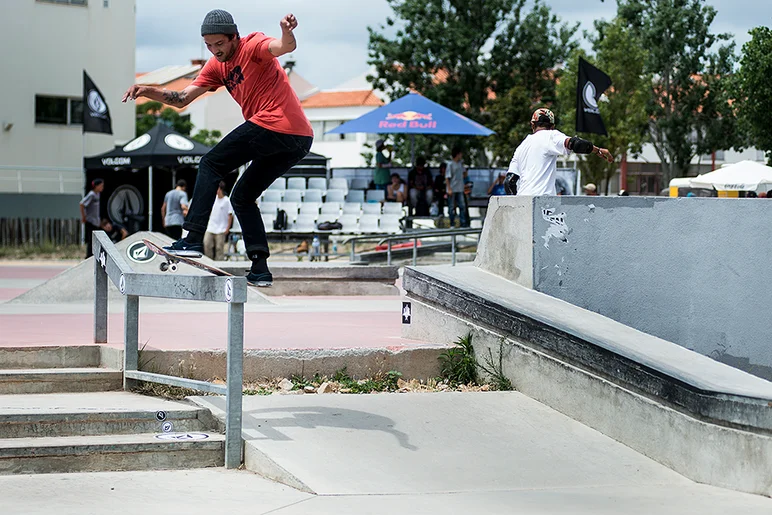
pixel 343 99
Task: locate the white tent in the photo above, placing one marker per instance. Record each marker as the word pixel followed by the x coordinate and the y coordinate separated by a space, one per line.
pixel 742 176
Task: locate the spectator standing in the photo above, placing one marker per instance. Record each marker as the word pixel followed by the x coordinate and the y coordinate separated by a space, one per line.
pixel 454 182
pixel 175 209
pixel 220 223
pixel 381 178
pixel 420 190
pixel 89 213
pixel 440 189
pixel 497 188
pixel 395 191
pixel 116 232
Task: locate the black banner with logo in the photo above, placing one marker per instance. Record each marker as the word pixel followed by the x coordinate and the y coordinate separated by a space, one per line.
pixel 96 115
pixel 589 88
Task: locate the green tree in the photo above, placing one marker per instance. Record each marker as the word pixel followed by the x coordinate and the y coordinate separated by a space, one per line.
pixel 438 50
pixel 525 67
pixel 689 103
pixel 150 113
pixel 754 89
pixel 624 109
pixel 207 137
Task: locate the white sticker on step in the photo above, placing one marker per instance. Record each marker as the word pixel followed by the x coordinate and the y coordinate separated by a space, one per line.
pixel 122 285
pixel 167 427
pixel 182 436
pixel 229 290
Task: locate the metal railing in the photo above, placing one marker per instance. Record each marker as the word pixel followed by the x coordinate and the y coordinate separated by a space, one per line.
pixel 415 236
pixel 108 263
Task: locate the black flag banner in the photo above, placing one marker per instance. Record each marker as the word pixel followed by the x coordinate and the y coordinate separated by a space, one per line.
pixel 96 115
pixel 589 88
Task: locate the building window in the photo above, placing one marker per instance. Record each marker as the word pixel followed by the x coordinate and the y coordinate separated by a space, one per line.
pixel 330 125
pixel 68 2
pixel 58 110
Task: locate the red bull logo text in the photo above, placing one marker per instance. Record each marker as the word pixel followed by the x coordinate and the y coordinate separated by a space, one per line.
pixel 408 120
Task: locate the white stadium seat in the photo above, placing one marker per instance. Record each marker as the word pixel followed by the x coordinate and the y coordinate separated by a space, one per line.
pixel 355 196
pixel 335 196
pixel 371 208
pixel 291 208
pixel 375 195
pixel 272 196
pixel 313 196
pixel 368 223
pixel 296 183
pixel 338 184
pixel 293 196
pixel 269 208
pixel 392 208
pixel 304 223
pixel 331 208
pixel 349 223
pixel 359 184
pixel 278 184
pixel 390 223
pixel 309 208
pixel 317 183
pixel 352 208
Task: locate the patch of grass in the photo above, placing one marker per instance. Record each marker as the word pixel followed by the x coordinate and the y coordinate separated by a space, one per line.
pixel 257 391
pixel 458 365
pixel 165 391
pixel 495 369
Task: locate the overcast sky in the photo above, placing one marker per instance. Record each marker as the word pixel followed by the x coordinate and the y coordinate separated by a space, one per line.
pixel 332 34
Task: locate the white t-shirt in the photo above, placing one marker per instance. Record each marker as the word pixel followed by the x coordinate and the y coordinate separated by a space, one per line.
pixel 218 220
pixel 535 161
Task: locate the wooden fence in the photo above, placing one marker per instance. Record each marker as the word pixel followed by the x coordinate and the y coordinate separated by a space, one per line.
pixel 17 232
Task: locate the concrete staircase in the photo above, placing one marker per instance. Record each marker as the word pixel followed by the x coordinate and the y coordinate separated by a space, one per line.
pixel 61 412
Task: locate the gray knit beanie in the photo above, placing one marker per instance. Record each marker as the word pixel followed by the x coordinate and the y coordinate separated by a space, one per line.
pixel 218 22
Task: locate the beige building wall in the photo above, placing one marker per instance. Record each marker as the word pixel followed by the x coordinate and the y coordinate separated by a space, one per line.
pixel 46 48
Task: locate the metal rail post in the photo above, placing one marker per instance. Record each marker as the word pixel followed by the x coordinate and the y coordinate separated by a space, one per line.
pixel 415 250
pixel 388 253
pixel 233 443
pixel 130 338
pixel 353 254
pixel 100 296
pixel 453 250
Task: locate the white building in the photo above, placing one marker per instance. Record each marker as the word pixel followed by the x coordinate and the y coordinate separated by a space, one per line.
pixel 47 45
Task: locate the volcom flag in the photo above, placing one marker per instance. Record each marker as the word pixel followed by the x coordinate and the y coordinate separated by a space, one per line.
pixel 96 115
pixel 590 86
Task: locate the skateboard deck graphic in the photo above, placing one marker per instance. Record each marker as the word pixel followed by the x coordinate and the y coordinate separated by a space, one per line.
pixel 170 261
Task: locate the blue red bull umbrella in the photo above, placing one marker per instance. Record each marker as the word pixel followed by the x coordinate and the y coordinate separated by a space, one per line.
pixel 413 114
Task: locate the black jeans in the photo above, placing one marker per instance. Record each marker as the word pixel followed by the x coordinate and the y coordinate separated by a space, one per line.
pixel 271 153
pixel 174 231
pixel 89 238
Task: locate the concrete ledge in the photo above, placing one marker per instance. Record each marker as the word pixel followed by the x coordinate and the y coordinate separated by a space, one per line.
pixel 703 419
pixel 324 278
pixel 79 356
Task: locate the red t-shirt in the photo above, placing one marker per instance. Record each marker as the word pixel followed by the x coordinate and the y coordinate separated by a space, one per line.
pixel 257 82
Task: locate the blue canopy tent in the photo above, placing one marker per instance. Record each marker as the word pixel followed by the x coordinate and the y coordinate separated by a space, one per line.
pixel 413 114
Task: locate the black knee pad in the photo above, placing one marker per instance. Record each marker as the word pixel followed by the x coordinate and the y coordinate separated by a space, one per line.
pixel 510 183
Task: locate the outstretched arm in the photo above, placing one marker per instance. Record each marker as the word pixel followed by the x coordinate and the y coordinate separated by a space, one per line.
pixel 287 43
pixel 582 146
pixel 172 98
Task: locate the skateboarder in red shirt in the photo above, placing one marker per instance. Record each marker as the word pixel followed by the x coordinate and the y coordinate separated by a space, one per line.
pixel 275 136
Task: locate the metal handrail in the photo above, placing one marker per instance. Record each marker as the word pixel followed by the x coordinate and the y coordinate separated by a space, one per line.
pixel 412 235
pixel 109 264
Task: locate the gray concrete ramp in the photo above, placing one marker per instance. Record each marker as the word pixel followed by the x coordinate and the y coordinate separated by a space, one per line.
pixel 423 443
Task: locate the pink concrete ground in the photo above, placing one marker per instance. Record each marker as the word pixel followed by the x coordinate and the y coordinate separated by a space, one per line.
pixel 202 330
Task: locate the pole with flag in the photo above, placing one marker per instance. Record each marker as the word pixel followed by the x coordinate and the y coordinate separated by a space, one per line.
pixel 589 88
pixel 96 118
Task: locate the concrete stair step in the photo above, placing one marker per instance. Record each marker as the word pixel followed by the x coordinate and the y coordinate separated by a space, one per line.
pixel 111 453
pixel 71 356
pixel 53 424
pixel 52 380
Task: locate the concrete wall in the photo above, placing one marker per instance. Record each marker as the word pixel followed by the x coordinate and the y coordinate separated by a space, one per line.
pixel 48 46
pixel 690 270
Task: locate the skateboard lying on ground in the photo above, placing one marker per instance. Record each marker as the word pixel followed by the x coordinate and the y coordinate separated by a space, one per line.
pixel 171 260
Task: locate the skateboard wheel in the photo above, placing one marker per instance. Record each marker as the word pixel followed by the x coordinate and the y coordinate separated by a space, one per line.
pixel 173 267
pixel 164 266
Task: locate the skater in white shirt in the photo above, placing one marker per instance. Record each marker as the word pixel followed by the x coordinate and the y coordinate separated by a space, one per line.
pixel 220 222
pixel 535 161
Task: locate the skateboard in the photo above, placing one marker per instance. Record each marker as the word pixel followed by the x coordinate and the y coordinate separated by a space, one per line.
pixel 171 260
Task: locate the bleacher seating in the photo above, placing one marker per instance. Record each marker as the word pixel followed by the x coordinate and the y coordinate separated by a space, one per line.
pixel 375 196
pixel 268 220
pixel 317 183
pixel 350 223
pixel 359 183
pixel 309 208
pixel 390 223
pixel 272 195
pixel 352 208
pixel 355 196
pixel 371 208
pixel 269 208
pixel 369 223
pixel 304 223
pixel 392 208
pixel 338 184
pixel 335 196
pixel 296 183
pixel 278 184
pixel 293 196
pixel 313 195
pixel 331 208
pixel 291 208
